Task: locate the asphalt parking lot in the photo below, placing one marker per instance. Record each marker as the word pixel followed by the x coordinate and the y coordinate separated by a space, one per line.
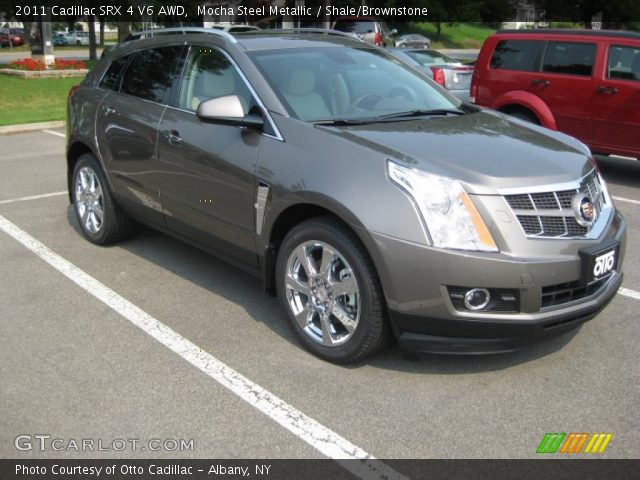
pixel 77 367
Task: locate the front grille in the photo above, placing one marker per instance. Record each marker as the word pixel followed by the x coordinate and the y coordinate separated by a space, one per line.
pixel 535 225
pixel 550 214
pixel 569 292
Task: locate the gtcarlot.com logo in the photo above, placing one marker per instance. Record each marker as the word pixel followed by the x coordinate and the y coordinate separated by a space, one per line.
pixel 45 442
pixel 574 442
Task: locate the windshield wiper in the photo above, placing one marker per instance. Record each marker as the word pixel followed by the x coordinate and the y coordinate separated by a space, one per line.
pixel 420 113
pixel 340 121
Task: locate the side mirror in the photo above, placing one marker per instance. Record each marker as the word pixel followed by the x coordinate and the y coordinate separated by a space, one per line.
pixel 228 110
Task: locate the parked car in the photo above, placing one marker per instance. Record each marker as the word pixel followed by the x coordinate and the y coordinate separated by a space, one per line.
pixel 584 83
pixel 78 38
pixel 414 40
pixel 446 71
pixel 240 28
pixel 369 202
pixel 368 29
pixel 59 40
pixel 19 32
pixel 8 39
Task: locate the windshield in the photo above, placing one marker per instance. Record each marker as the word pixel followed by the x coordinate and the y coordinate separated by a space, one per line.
pixel 329 83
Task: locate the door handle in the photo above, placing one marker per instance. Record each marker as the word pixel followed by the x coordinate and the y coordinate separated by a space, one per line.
pixel 607 90
pixel 173 137
pixel 109 111
pixel 540 83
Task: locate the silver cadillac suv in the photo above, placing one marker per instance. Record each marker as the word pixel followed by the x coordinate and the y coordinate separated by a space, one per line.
pixel 371 201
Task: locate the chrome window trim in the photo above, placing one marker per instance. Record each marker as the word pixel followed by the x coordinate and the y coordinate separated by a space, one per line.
pixel 265 112
pixel 278 136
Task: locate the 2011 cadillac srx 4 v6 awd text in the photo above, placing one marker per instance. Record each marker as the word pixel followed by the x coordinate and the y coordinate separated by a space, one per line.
pixel 371 201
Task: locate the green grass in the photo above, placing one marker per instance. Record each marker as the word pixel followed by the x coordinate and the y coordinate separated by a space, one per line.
pixel 458 35
pixel 34 99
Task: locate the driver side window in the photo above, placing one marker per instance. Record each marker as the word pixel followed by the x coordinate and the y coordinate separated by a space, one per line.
pixel 209 74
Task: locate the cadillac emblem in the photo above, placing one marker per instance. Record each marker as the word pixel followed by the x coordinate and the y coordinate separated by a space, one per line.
pixel 584 209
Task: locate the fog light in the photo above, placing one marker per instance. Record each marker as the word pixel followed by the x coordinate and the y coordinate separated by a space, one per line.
pixel 477 298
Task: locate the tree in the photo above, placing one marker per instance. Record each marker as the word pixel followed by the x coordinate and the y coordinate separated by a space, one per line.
pixel 92 37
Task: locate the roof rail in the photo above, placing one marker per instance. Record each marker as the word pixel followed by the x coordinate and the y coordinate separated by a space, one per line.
pixel 568 31
pixel 303 30
pixel 179 30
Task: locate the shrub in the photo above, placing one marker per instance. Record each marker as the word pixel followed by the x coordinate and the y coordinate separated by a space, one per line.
pixel 36 65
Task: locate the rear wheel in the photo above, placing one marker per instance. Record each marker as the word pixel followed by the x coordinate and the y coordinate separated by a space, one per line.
pixel 102 221
pixel 331 293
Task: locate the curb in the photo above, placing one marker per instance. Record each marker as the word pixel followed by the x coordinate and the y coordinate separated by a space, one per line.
pixel 29 127
pixel 45 73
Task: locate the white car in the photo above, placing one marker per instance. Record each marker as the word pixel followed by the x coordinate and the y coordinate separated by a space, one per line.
pixel 239 28
pixel 78 38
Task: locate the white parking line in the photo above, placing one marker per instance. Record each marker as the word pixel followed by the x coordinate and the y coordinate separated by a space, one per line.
pixel 306 428
pixel 33 197
pixel 628 200
pixel 57 134
pixel 629 293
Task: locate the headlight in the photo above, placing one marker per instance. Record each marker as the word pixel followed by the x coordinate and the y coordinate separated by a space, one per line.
pixel 449 215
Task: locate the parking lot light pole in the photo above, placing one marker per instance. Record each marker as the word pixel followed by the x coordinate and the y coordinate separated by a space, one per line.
pixel 41 40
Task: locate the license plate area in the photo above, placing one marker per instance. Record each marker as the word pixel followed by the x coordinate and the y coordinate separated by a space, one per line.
pixel 599 261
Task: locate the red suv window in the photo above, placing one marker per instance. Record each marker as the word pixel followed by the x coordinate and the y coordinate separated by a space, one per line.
pixel 569 58
pixel 516 54
pixel 623 63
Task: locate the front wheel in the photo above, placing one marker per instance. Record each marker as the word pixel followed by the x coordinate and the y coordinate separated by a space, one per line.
pixel 330 291
pixel 526 116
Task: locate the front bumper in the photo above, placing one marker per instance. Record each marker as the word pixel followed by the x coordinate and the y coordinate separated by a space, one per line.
pixel 416 280
pixel 455 335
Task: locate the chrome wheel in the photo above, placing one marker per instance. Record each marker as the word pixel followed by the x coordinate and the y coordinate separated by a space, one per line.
pixel 322 293
pixel 89 200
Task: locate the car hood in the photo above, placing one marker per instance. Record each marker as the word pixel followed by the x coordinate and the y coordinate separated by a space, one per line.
pixel 487 151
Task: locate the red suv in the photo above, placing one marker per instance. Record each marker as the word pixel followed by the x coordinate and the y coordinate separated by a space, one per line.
pixel 583 83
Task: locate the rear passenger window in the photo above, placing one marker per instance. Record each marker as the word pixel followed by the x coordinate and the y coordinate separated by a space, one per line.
pixel 516 55
pixel 152 74
pixel 111 77
pixel 569 58
pixel 624 63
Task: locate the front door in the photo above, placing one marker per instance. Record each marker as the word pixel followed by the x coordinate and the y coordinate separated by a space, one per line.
pixel 207 189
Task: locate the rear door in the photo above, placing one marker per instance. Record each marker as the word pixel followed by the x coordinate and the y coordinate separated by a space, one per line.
pixel 208 189
pixel 127 124
pixel 567 84
pixel 616 106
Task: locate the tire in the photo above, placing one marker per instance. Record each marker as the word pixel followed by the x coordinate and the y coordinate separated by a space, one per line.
pixel 351 290
pixel 91 195
pixel 524 115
